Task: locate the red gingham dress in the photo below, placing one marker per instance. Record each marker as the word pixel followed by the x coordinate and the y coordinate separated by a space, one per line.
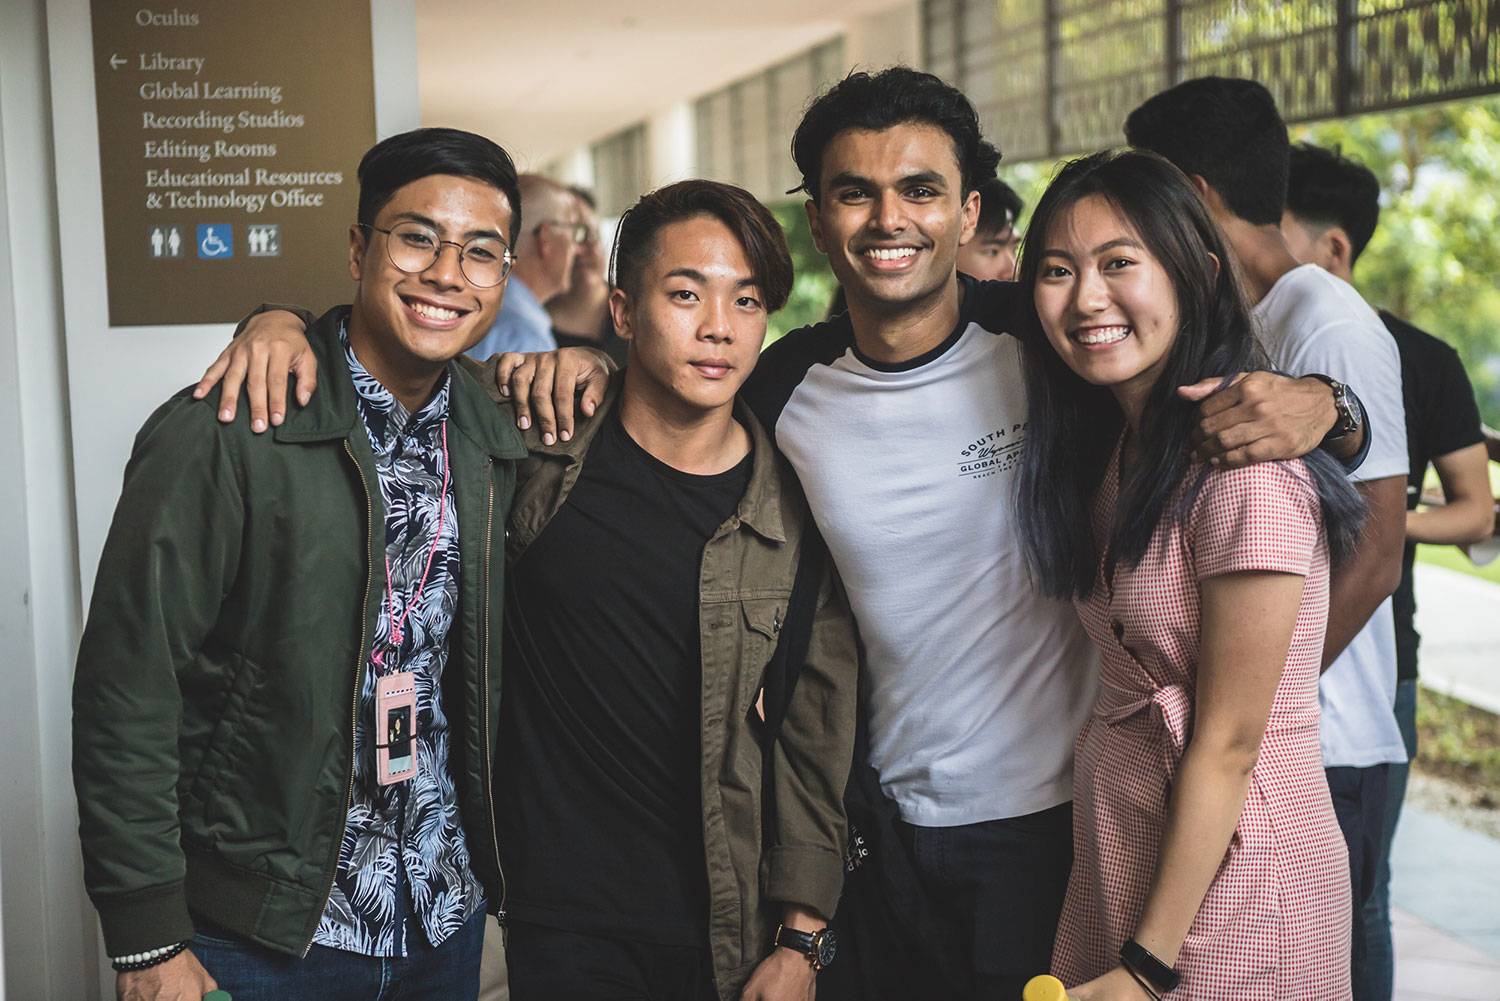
pixel 1275 922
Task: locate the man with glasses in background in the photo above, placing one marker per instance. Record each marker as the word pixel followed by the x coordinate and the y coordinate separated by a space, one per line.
pixel 580 316
pixel 550 240
pixel 286 702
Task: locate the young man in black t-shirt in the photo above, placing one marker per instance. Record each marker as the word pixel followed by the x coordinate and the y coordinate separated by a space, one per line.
pixel 1332 208
pixel 652 559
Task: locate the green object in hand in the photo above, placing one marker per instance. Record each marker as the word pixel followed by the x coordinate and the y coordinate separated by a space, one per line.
pixel 217 996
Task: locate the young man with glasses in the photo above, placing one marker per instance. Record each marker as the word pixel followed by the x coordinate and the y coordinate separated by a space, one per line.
pixel 554 235
pixel 286 702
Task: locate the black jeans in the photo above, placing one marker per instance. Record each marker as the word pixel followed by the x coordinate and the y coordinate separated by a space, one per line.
pixel 1359 803
pixel 997 888
pixel 549 964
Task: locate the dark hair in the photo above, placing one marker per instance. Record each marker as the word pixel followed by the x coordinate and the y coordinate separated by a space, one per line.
pixel 584 195
pixel 752 224
pixel 1073 424
pixel 1226 131
pixel 393 163
pixel 899 95
pixel 999 207
pixel 1327 188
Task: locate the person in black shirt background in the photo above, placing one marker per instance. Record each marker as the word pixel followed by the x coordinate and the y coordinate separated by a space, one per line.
pixel 1332 209
pixel 991 254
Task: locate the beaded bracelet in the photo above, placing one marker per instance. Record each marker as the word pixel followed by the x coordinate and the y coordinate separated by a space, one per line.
pixel 137 961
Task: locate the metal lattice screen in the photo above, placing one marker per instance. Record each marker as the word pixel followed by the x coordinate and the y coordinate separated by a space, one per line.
pixel 745 130
pixel 620 170
pixel 1056 77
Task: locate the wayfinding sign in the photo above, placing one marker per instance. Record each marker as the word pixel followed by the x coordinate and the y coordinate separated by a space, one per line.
pixel 229 134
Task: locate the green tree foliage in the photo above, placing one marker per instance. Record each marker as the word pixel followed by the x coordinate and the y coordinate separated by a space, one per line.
pixel 1435 257
pixel 814 286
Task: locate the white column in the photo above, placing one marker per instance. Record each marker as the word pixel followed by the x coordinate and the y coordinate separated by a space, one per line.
pixel 577 168
pixel 50 944
pixel 671 142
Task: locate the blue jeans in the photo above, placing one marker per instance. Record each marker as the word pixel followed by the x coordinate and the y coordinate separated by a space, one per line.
pixel 1359 803
pixel 249 972
pixel 1380 957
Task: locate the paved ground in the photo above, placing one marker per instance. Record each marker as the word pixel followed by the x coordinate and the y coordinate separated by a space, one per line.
pixel 1459 619
pixel 1445 879
pixel 1445 885
pixel 1434 966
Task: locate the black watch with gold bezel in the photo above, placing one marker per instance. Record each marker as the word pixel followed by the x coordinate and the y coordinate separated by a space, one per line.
pixel 1351 414
pixel 819 946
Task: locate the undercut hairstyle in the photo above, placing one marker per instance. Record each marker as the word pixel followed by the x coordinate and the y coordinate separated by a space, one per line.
pixel 899 95
pixel 1226 131
pixel 759 234
pixel 393 163
pixel 1074 424
pixel 1326 188
pixel 999 208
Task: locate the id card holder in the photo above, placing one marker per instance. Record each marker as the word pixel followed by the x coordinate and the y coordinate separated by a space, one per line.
pixel 395 727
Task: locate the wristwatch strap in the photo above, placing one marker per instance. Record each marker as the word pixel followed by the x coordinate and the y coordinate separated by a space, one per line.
pixel 817 946
pixel 1140 961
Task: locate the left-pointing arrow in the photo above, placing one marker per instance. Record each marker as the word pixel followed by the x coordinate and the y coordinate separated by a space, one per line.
pixel 117 60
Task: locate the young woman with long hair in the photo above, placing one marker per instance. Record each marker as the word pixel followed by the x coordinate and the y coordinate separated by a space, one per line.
pixel 1208 861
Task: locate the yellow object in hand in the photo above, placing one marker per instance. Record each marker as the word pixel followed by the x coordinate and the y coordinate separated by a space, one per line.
pixel 1044 988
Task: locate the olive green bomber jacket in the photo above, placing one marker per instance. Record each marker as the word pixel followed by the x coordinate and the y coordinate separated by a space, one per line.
pixel 748 569
pixel 219 669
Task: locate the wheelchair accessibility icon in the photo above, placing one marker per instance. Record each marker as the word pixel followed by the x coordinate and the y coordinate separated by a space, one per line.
pixel 215 241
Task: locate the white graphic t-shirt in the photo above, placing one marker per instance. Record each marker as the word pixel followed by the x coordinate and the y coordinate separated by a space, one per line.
pixel 976 685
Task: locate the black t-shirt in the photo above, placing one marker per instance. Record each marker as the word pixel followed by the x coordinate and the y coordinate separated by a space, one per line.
pixel 599 808
pixel 605 340
pixel 1441 417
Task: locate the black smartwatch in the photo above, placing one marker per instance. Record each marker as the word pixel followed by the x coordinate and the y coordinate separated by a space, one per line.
pixel 819 947
pixel 1351 416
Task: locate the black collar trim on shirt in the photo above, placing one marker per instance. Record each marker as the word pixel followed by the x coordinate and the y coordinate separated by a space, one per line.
pixel 965 300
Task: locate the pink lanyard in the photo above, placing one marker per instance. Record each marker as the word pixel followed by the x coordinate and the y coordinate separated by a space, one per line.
pixel 397 632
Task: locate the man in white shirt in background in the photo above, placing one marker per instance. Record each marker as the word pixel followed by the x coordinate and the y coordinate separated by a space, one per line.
pixel 1230 140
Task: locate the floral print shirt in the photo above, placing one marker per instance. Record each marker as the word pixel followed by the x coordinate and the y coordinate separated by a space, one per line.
pixel 403 861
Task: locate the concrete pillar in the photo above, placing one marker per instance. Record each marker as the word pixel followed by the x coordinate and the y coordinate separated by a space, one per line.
pixel 671 145
pixel 50 944
pixel 577 168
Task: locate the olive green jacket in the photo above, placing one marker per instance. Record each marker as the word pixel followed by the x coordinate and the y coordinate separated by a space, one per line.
pixel 748 569
pixel 218 678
